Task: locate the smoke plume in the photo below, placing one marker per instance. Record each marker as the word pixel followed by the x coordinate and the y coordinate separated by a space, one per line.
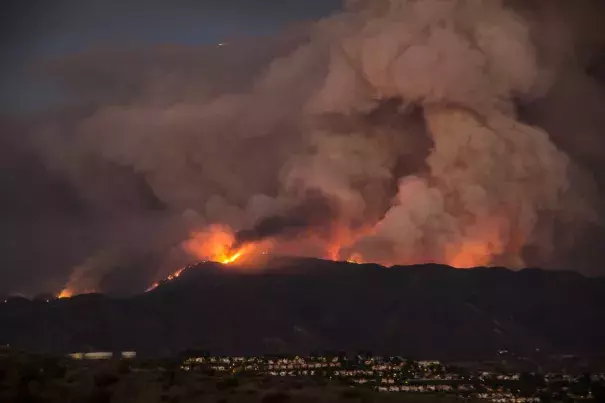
pixel 398 131
pixel 313 213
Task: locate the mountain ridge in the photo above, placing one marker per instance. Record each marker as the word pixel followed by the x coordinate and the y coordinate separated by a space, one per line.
pixel 292 305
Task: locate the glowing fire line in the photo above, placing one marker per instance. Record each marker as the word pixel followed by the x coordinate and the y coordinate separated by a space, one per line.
pixel 216 244
pixel 69 292
pixel 65 293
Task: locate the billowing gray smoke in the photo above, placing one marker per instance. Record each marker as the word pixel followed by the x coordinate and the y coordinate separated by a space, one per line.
pixel 313 212
pixel 423 124
pixel 489 178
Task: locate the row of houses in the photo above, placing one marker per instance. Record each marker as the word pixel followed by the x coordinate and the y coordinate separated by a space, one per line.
pixel 384 374
pixel 103 355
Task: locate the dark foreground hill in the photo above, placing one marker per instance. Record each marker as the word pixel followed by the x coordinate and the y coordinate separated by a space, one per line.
pixel 304 305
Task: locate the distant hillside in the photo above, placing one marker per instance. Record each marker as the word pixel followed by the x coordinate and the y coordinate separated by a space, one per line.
pixel 303 305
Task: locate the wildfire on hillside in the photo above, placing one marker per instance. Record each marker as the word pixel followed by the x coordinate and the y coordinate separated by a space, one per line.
pixel 355 258
pixel 170 277
pixel 471 254
pixel 69 292
pixel 393 134
pixel 218 244
pixel 65 293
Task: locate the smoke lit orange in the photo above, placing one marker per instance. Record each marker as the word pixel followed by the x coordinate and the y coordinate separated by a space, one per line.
pixel 217 244
pixel 65 293
pixel 70 292
pixel 472 254
pixel 479 250
pixel 355 258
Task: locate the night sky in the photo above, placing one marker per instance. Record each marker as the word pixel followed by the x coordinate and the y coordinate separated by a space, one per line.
pixel 33 31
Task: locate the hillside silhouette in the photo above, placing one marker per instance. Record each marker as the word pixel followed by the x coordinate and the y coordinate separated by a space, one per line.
pixel 304 305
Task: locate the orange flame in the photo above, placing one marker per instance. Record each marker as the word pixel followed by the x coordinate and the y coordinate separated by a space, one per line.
pixel 69 292
pixel 65 293
pixel 170 277
pixel 472 254
pixel 342 239
pixel 355 258
pixel 480 249
pixel 214 244
pixel 153 286
pixel 176 274
pixel 217 244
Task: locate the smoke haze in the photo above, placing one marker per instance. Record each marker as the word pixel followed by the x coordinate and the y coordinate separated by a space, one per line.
pixel 455 131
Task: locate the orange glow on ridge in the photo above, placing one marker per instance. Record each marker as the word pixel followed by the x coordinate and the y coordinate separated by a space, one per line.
pixel 343 238
pixel 68 292
pixel 65 293
pixel 479 250
pixel 472 254
pixel 217 244
pixel 355 258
